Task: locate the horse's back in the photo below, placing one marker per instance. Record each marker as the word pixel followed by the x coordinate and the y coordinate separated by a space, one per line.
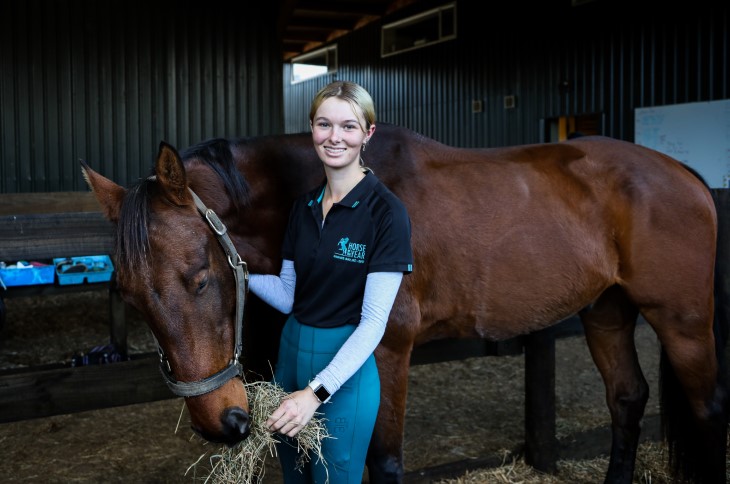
pixel 585 182
pixel 515 239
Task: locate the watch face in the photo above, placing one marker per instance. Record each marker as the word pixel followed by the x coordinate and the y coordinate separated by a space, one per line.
pixel 322 393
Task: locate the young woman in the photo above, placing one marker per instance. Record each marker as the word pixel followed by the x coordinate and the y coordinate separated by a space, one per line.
pixel 346 249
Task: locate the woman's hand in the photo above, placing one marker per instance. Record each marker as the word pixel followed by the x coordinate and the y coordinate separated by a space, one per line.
pixel 294 412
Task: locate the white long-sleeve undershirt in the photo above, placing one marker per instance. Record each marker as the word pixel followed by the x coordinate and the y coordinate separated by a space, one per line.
pixel 276 291
pixel 381 289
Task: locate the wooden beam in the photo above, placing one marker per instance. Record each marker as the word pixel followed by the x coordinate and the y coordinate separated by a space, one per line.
pixel 49 235
pixel 43 392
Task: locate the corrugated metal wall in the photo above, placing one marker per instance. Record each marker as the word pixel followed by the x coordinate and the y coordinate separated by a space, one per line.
pixel 605 58
pixel 106 81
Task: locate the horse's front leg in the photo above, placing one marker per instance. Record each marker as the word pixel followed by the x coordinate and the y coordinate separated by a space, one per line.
pixel 385 455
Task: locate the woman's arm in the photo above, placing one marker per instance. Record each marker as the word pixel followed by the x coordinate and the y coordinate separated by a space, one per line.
pixel 298 408
pixel 276 291
pixel 381 289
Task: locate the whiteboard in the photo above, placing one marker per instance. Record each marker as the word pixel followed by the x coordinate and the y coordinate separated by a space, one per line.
pixel 697 134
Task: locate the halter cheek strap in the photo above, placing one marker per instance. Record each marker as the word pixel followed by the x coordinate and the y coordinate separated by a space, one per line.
pixel 240 270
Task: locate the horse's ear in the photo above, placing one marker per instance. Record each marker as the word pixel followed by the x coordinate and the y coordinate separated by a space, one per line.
pixel 171 175
pixel 107 193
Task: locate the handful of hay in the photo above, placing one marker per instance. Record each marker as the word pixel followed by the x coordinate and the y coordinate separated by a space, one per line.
pixel 244 463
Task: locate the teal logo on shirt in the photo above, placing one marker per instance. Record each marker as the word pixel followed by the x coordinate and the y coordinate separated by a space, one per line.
pixel 350 251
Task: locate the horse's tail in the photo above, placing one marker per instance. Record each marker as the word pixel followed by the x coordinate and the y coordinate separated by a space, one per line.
pixel 698 447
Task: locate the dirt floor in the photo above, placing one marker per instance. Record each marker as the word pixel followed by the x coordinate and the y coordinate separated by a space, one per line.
pixel 152 443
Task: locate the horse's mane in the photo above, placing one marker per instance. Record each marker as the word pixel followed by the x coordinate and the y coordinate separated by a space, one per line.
pixel 217 154
pixel 132 241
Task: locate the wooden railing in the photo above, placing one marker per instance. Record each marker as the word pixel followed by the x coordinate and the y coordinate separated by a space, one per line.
pixel 44 226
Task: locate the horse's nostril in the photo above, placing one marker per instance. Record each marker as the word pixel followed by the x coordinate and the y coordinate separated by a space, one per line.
pixel 238 423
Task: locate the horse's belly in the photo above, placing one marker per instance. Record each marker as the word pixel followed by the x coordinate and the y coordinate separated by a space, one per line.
pixel 499 296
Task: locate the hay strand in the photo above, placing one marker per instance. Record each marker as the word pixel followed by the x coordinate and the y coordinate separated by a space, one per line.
pixel 244 463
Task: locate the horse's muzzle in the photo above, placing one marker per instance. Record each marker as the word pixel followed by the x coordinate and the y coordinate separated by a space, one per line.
pixel 236 424
pixel 235 427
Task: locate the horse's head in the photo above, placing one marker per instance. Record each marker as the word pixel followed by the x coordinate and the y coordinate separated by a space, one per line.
pixel 178 268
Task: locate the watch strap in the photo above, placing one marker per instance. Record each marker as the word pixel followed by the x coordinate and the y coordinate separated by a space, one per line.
pixel 322 394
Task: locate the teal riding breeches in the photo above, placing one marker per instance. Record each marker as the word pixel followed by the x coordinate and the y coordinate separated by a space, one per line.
pixel 349 415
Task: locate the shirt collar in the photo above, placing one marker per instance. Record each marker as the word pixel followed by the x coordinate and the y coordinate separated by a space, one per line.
pixel 356 195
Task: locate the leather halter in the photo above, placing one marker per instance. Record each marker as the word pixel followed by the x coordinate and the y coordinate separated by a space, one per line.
pixel 240 269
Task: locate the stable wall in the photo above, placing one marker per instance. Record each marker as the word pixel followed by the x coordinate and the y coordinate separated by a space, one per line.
pixel 106 81
pixel 602 58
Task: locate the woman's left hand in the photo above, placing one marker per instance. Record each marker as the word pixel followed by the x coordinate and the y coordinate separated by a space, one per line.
pixel 294 412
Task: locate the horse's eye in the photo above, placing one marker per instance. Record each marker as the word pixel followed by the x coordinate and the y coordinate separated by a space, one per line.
pixel 202 285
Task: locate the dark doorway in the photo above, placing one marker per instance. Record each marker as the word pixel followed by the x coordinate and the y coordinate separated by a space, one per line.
pixel 565 127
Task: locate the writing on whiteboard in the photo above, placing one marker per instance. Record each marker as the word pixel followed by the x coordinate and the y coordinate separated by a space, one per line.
pixel 697 134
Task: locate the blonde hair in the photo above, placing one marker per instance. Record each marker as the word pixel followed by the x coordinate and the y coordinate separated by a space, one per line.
pixel 348 91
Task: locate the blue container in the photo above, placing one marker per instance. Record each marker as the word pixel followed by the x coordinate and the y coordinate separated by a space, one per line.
pixel 27 274
pixel 77 270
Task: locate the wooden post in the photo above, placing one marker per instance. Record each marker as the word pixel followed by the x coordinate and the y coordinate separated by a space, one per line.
pixel 541 445
pixel 117 319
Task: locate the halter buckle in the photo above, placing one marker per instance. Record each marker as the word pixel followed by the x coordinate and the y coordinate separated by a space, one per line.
pixel 215 223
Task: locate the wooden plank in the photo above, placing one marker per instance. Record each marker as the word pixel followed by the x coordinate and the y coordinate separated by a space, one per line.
pixel 47 202
pixel 452 470
pixel 45 236
pixel 452 349
pixel 56 391
pixel 52 289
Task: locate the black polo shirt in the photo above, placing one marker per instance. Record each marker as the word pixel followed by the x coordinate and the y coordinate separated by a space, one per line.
pixel 368 231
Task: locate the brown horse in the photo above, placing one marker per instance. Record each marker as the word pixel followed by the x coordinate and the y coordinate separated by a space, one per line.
pixel 506 242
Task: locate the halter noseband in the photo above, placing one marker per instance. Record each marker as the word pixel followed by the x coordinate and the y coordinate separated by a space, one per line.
pixel 240 269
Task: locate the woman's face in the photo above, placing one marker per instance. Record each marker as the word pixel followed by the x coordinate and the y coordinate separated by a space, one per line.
pixel 338 133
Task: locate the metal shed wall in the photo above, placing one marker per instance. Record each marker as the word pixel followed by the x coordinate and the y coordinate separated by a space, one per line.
pixel 106 81
pixel 605 58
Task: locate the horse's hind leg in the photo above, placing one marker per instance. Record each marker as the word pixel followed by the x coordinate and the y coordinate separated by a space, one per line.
pixel 609 328
pixel 694 421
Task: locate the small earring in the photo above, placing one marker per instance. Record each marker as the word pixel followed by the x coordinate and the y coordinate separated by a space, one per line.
pixel 363 146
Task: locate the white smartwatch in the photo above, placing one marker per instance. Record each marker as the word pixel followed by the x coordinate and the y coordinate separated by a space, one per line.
pixel 322 394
